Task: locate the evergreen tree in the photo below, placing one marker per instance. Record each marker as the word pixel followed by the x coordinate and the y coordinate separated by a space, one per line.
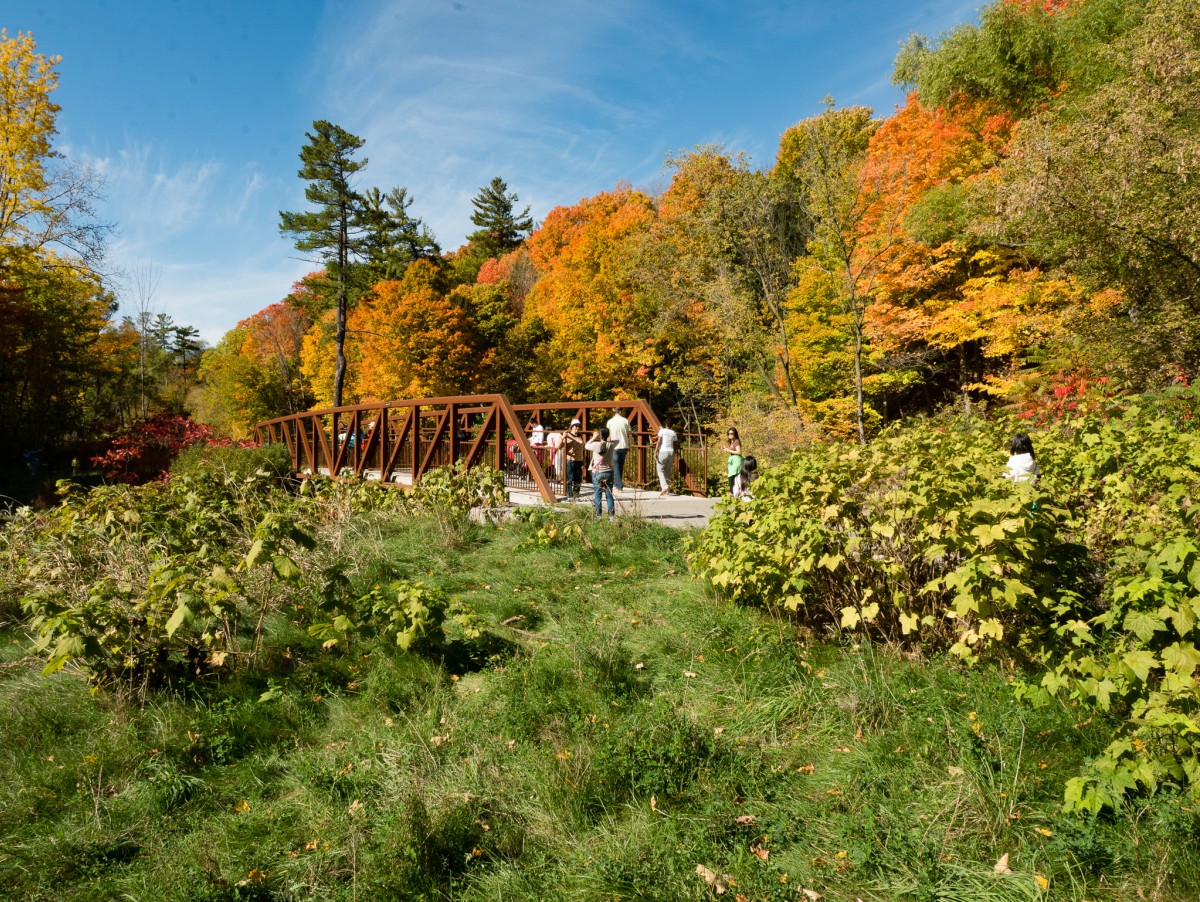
pixel 500 229
pixel 395 238
pixel 336 229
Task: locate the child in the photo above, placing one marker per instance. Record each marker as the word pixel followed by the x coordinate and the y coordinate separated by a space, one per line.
pixel 1022 465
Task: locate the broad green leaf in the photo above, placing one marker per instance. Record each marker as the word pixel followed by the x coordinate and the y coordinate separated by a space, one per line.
pixel 1141 662
pixel 1181 657
pixel 908 623
pixel 285 567
pixel 1143 625
pixel 850 617
pixel 181 615
pixel 254 555
pixel 830 561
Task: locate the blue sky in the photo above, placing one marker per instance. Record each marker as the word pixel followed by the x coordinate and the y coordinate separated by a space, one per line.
pixel 195 111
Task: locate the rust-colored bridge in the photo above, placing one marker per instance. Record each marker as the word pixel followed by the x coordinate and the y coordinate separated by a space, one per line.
pixel 399 441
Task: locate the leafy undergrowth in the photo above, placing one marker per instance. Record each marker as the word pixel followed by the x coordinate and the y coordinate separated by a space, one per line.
pixel 602 728
pixel 1090 576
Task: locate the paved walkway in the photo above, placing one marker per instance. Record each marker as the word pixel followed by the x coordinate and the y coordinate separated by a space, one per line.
pixel 680 511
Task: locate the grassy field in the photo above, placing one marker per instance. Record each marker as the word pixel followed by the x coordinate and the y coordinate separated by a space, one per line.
pixel 616 732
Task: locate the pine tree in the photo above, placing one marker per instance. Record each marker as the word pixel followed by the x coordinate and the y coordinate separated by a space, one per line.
pixel 500 229
pixel 335 229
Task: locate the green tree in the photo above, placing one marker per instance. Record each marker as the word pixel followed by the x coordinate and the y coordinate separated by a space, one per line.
pixel 854 213
pixel 394 237
pixel 54 307
pixel 1106 186
pixel 336 229
pixel 500 228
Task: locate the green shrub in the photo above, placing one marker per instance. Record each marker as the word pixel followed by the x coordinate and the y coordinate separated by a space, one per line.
pixel 233 461
pixel 1093 572
pixel 917 536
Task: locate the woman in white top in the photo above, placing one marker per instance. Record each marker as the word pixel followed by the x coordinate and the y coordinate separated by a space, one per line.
pixel 1022 465
pixel 665 446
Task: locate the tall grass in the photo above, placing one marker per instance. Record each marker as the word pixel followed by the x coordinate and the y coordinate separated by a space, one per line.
pixel 614 728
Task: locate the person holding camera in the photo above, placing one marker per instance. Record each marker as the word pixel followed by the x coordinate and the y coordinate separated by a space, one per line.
pixel 602 470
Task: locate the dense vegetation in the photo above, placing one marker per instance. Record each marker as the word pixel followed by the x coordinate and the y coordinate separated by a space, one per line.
pixel 1088 578
pixel 891 674
pixel 575 718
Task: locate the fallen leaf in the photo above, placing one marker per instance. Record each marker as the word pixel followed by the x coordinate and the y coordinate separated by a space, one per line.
pixel 1042 881
pixel 689 674
pixel 710 877
pixel 639 666
pixel 1045 832
pixel 760 853
pixel 717 731
pixel 745 819
pixel 242 807
pixel 310 846
pixel 1001 865
pixel 355 807
pixel 811 894
pixel 805 769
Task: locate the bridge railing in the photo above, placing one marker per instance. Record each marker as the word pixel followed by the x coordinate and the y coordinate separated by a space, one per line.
pixel 400 441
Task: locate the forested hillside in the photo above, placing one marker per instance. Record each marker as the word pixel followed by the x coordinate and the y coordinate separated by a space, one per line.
pixel 1024 225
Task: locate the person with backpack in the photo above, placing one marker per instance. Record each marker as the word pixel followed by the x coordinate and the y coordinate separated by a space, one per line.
pixel 602 470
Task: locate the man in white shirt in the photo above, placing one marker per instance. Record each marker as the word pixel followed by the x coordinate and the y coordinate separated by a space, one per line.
pixel 622 434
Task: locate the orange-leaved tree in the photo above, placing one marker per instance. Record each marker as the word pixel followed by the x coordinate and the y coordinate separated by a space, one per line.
pixel 599 324
pixel 415 340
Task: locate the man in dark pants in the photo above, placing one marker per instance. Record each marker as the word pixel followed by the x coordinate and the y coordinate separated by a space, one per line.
pixel 622 433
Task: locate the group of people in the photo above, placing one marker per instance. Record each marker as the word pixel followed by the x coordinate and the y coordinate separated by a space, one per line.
pixel 610 443
pixel 608 446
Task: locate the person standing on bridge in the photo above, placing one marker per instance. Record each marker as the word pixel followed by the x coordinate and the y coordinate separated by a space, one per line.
pixel 602 470
pixel 665 445
pixel 622 435
pixel 572 445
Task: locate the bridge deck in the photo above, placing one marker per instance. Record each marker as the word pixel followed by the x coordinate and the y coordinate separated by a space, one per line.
pixel 681 511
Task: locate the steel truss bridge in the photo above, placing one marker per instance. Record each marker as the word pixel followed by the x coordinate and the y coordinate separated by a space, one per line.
pixel 400 441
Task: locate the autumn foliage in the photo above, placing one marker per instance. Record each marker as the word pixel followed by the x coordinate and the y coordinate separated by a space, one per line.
pixel 880 267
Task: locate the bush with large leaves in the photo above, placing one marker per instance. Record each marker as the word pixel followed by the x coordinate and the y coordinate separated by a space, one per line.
pixel 1091 576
